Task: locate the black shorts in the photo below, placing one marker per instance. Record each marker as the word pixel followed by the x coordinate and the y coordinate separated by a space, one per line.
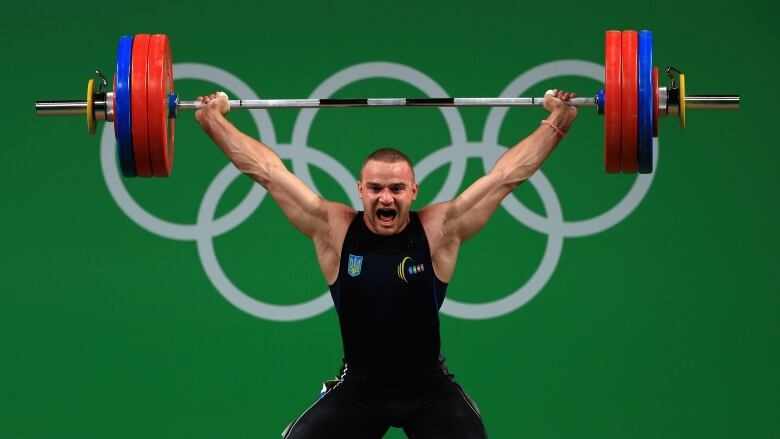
pixel 355 408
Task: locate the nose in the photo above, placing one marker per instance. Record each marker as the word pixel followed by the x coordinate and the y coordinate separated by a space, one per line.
pixel 386 197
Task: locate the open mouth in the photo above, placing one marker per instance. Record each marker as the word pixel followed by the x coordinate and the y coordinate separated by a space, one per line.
pixel 385 216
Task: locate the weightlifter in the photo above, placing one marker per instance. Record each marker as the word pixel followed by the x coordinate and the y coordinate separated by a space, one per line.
pixel 387 268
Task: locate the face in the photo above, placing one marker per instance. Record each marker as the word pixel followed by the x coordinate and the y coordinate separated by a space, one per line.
pixel 387 191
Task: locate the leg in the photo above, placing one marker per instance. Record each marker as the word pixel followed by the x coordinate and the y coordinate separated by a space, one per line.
pixel 452 415
pixel 338 414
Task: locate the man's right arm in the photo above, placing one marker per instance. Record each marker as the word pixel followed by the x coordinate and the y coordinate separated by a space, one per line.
pixel 323 221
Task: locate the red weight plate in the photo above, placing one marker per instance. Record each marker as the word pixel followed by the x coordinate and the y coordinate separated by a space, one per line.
pixel 138 105
pixel 655 101
pixel 160 84
pixel 628 134
pixel 612 101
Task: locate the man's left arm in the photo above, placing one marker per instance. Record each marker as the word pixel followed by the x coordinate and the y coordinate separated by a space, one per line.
pixel 450 223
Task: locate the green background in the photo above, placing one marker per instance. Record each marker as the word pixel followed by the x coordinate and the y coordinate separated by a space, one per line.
pixel 661 326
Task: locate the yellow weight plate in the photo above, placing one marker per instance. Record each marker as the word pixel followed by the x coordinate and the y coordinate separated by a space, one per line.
pixel 90 106
pixel 682 101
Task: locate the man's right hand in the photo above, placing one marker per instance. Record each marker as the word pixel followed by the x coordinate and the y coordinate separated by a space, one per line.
pixel 216 103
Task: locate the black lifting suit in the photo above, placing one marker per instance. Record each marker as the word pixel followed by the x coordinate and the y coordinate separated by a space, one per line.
pixel 388 299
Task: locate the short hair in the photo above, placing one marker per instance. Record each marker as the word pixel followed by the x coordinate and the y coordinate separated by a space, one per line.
pixel 387 155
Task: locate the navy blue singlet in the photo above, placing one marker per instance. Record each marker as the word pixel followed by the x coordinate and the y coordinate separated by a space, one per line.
pixel 388 299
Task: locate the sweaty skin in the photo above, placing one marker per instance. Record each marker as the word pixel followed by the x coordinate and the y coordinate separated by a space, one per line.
pixel 387 190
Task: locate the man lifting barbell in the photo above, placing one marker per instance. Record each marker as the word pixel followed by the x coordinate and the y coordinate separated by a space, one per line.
pixel 387 268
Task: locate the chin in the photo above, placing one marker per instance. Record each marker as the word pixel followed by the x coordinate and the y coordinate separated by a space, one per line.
pixel 382 230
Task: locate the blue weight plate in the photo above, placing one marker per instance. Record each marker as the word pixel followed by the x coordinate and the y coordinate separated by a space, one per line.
pixel 173 104
pixel 600 101
pixel 645 103
pixel 122 125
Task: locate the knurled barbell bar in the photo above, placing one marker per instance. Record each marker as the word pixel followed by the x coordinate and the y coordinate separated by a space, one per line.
pixel 143 103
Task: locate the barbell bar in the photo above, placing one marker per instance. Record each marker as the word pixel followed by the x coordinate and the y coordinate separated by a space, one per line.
pixel 79 108
pixel 143 104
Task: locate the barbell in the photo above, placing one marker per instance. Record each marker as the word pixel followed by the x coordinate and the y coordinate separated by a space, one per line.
pixel 143 104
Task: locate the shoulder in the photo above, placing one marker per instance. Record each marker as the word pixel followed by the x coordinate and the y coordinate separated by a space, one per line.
pixel 433 219
pixel 434 213
pixel 340 209
pixel 332 231
pixel 339 215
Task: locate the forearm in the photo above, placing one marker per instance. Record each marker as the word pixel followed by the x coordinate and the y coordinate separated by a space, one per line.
pixel 249 155
pixel 521 161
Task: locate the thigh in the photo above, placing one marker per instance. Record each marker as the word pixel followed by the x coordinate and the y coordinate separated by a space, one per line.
pixel 451 415
pixel 338 413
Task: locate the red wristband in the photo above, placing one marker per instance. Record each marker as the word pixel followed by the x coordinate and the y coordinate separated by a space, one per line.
pixel 560 132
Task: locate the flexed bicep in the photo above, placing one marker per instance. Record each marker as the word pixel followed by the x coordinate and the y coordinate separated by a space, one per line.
pixel 303 208
pixel 307 211
pixel 471 210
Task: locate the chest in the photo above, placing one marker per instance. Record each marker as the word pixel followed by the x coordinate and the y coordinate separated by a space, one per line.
pixel 393 276
pixel 398 271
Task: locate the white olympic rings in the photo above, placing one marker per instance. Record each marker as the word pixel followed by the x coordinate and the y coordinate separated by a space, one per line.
pixel 301 155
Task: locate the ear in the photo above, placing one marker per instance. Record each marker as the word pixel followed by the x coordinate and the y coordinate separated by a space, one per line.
pixel 360 190
pixel 415 188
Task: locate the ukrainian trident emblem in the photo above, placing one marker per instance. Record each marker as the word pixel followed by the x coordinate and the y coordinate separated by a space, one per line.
pixel 354 265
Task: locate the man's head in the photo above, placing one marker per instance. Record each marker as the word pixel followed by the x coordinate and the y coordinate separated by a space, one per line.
pixel 387 188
